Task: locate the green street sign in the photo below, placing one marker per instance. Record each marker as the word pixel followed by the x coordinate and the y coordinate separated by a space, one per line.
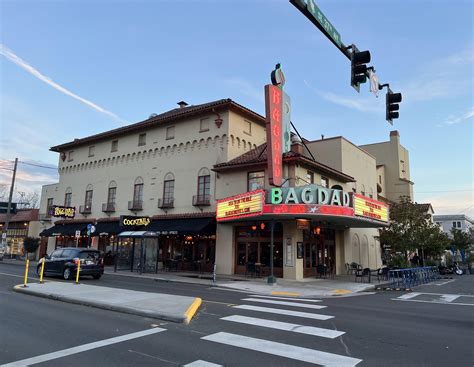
pixel 323 22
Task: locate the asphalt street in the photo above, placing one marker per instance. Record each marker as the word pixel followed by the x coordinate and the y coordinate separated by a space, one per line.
pixel 433 326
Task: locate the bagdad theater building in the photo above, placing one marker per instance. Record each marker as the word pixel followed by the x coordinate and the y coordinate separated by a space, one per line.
pixel 217 183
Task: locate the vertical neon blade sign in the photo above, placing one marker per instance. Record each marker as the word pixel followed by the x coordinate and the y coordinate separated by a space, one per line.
pixel 274 109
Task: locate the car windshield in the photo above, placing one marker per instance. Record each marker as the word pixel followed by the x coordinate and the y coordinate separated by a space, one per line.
pixel 89 255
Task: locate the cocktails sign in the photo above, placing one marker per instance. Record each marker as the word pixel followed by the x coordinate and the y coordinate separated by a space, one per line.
pixel 132 221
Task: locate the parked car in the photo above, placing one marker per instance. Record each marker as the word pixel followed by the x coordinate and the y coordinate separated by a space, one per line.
pixel 64 261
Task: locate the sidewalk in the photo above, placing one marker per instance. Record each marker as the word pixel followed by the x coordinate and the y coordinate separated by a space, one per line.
pixel 156 305
pixel 309 287
pixel 7 261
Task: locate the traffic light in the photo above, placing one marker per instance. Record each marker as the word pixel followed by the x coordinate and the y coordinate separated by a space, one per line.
pixel 392 101
pixel 359 67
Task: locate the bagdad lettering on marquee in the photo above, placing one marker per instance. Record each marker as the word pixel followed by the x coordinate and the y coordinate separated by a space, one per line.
pixel 310 194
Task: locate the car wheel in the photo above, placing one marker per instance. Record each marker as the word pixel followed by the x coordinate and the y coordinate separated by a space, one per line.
pixel 67 273
pixel 97 276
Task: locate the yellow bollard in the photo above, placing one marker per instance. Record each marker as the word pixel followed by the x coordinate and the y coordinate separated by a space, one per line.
pixel 26 273
pixel 78 271
pixel 42 270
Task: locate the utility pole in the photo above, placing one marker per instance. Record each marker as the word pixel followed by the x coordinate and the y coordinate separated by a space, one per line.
pixel 10 197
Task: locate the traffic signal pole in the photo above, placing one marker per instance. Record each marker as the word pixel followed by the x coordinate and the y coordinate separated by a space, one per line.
pixel 10 198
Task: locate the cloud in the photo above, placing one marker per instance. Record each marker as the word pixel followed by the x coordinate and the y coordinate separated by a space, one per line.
pixel 37 74
pixel 359 104
pixel 246 88
pixel 456 119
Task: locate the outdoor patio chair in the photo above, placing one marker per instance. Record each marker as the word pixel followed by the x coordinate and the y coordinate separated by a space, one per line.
pixel 322 271
pixel 354 267
pixel 250 269
pixel 364 273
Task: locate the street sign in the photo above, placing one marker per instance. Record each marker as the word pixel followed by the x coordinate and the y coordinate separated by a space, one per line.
pixel 92 229
pixel 374 82
pixel 324 22
pixel 4 235
pixel 78 234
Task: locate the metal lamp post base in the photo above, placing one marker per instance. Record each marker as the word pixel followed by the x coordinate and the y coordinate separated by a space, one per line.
pixel 271 280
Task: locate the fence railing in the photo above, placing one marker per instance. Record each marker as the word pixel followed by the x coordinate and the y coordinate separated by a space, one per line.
pixel 411 277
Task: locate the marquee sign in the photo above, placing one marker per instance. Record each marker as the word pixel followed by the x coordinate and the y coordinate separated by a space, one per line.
pixel 132 221
pixel 240 206
pixel 63 211
pixel 366 207
pixel 309 194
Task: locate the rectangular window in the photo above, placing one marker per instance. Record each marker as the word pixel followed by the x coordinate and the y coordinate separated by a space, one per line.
pixel 142 139
pixel 204 187
pixel 309 177
pixel 255 180
pixel 138 193
pixel 67 199
pixel 114 146
pixel 88 199
pixel 168 192
pixel 49 205
pixel 324 181
pixel 459 224
pixel 248 127
pixel 204 125
pixel 170 132
pixel 70 156
pixel 91 150
pixel 111 195
pixel 454 224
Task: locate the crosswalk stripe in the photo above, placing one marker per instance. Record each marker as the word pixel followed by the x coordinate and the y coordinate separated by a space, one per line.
pixel 308 330
pixel 201 363
pixel 283 350
pixel 283 303
pixel 409 295
pixel 279 311
pixel 449 297
pixel 287 298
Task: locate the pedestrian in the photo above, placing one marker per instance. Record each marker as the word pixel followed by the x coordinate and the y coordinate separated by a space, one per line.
pixel 415 260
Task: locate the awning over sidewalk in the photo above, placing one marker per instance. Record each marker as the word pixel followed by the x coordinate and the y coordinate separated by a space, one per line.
pixel 138 234
pixel 68 229
pixel 107 228
pixel 184 226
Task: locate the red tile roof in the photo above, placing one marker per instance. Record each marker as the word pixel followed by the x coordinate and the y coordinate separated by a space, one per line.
pixel 258 156
pixel 169 116
pixel 22 215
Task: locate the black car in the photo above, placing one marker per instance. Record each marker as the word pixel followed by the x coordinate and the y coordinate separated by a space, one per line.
pixel 64 261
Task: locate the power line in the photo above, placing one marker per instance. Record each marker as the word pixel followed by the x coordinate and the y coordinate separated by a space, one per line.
pixel 38 165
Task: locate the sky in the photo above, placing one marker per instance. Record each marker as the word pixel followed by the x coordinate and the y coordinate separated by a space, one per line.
pixel 69 69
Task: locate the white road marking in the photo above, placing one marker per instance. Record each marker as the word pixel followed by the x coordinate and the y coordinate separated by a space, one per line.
pixel 449 297
pixel 443 283
pixel 308 330
pixel 283 350
pixel 83 348
pixel 283 303
pixel 445 294
pixel 279 311
pixel 441 303
pixel 201 363
pixel 287 298
pixel 409 295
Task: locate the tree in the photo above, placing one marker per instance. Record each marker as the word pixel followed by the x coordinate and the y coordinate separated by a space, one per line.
pixel 461 240
pixel 411 229
pixel 30 244
pixel 28 200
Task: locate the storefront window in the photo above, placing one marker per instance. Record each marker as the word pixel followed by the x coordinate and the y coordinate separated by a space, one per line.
pixel 256 180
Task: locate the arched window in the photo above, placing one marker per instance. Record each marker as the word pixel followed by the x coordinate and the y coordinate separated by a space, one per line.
pixel 138 193
pixel 88 199
pixel 111 196
pixel 337 187
pixel 203 188
pixel 168 191
pixel 68 197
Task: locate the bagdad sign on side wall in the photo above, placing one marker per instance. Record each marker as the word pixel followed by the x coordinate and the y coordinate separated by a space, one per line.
pixel 63 211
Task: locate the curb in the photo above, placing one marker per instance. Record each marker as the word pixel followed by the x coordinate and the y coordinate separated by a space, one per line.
pixel 123 309
pixel 191 311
